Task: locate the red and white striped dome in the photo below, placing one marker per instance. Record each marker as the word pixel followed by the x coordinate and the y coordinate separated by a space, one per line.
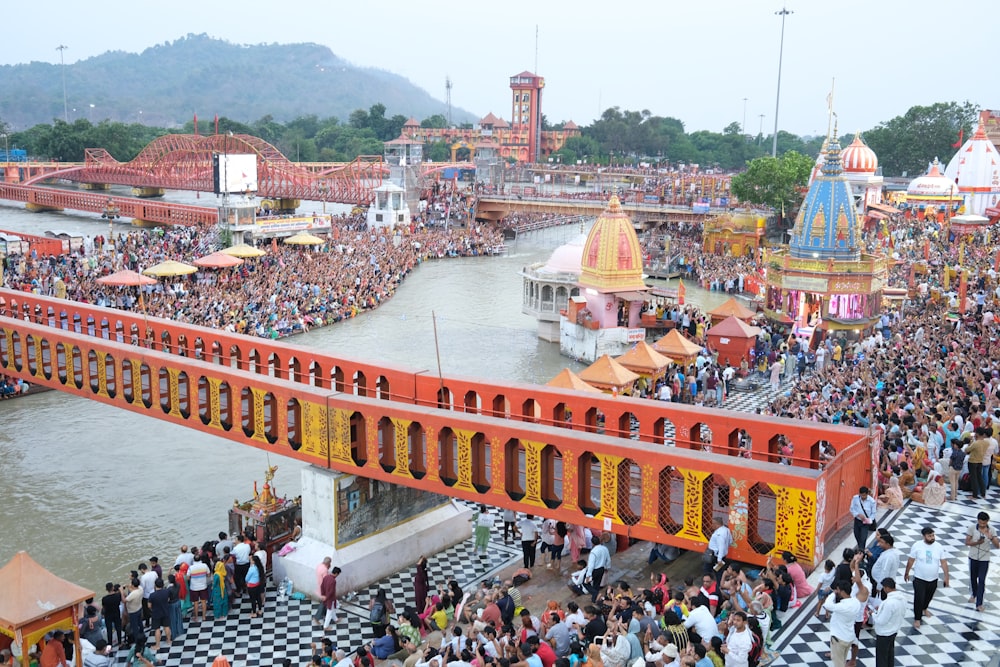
pixel 858 158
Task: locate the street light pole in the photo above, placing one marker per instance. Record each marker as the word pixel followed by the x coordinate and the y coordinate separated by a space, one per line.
pixel 777 97
pixel 760 131
pixel 743 129
pixel 62 68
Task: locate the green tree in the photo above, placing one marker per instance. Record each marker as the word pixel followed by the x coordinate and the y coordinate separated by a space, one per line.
pixel 908 142
pixel 435 122
pixel 437 151
pixel 774 182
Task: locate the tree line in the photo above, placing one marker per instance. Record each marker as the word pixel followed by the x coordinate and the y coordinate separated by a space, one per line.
pixel 904 144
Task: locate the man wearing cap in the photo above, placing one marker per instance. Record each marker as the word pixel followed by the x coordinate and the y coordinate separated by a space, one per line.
pixel 926 557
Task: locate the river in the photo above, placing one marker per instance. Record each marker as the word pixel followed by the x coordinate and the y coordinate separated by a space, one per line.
pixel 90 490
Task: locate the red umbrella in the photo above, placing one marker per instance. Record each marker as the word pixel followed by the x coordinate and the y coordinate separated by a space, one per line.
pixel 217 260
pixel 126 278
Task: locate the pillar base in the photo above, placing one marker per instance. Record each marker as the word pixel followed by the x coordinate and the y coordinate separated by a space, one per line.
pixel 145 224
pixel 370 558
pixel 37 208
pixel 148 193
pixel 95 186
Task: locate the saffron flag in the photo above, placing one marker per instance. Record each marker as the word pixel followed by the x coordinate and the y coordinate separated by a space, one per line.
pixel 681 291
pixel 996 262
pixel 927 250
pixel 961 133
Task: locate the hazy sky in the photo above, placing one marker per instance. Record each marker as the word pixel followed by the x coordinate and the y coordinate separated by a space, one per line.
pixel 695 60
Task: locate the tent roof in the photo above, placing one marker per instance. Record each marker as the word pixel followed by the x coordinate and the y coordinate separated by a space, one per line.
pixel 567 379
pixel 732 307
pixel 643 358
pixel 734 328
pixel 31 592
pixel 674 344
pixel 608 372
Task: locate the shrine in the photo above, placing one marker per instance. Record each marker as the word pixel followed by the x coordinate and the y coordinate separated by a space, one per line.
pixel 736 234
pixel 823 279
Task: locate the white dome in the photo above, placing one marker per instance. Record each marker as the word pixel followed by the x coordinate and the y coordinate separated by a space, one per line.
pixel 566 258
pixel 933 184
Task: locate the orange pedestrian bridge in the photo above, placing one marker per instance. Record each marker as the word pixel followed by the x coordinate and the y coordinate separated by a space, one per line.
pixel 649 470
pixel 498 207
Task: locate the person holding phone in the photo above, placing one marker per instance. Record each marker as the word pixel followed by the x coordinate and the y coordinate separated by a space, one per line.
pixel 981 539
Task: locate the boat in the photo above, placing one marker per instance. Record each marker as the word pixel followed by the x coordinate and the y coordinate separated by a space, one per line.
pixel 267 519
pixel 32 389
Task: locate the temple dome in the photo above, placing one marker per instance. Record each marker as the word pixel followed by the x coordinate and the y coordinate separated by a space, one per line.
pixel 858 158
pixel 827 226
pixel 566 258
pixel 612 256
pixel 933 184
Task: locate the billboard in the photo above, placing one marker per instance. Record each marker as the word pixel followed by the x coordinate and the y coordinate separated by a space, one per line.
pixel 234 174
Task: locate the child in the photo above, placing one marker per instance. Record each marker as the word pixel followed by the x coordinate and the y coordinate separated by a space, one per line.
pixel 823 589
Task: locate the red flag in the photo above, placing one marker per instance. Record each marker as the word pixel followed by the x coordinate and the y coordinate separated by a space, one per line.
pixel 961 133
pixel 681 292
pixel 927 250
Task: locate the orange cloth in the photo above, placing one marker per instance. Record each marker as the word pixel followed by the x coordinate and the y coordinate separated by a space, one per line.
pixel 53 655
pixel 220 661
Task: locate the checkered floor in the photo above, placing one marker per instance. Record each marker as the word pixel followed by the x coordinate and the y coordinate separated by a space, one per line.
pixel 955 634
pixel 286 629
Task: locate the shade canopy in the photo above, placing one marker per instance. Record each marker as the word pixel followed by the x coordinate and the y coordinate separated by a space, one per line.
pixel 606 373
pixel 35 601
pixel 243 250
pixel 567 379
pixel 218 260
pixel 126 278
pixel 170 268
pixel 677 347
pixel 731 307
pixel 643 359
pixel 304 238
pixel 733 327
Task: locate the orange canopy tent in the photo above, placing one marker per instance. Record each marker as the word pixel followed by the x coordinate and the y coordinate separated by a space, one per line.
pixel 677 347
pixel 35 602
pixel 609 376
pixel 731 308
pixel 567 379
pixel 733 339
pixel 644 360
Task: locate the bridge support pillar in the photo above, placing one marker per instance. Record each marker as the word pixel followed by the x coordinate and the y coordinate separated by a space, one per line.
pixel 371 529
pixel 37 208
pixel 95 186
pixel 148 192
pixel 145 224
pixel 282 205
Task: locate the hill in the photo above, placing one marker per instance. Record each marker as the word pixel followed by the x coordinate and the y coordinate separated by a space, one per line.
pixel 166 84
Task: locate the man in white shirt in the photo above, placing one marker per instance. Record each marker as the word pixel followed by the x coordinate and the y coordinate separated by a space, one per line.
pixel 529 538
pixel 887 621
pixel 719 544
pixel 844 608
pixel 926 558
pixel 184 556
pixel 241 552
pixel 739 641
pixel 888 561
pixel 701 619
pixel 597 564
pixel 863 511
pixel 147 581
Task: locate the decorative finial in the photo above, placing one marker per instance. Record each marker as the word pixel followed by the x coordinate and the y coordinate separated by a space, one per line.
pixel 614 205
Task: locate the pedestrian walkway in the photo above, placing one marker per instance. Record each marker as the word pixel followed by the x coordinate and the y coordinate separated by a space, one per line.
pixel 956 634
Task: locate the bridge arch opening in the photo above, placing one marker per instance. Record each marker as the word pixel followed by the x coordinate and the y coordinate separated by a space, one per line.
pixel 146 385
pixel 29 342
pixel 50 314
pixel 46 359
pixel 670 505
pixel 337 378
pixel 628 426
pixel 515 474
pixel 416 441
pixel 294 369
pixel 274 366
pixel 128 382
pixel 501 406
pixel 183 349
pixel 63 320
pixel 445 399
pixel 77 323
pixel 360 383
pixel 253 361
pixel 562 416
pixel 236 358
pixel 119 331
pixel 382 389
pixel 105 329
pixel 217 357
pixel 482 463
pixel 589 474
pixel 630 492
pixel 664 431
pixel 316 377
pixel 740 443
pixel 226 406
pixel 166 403
pixel 761 508
pixel 92 371
pixel 77 367
pixel 359 439
pixel 204 400
pixel 91 325
pixel 387 444
pixel 15 347
pixel 293 421
pixel 551 463
pixel 531 411
pixel 166 342
pixel 448 456
pixel 184 394
pixel 716 502
pixel 199 348
pixel 110 373
pixel 473 402
pixel 593 420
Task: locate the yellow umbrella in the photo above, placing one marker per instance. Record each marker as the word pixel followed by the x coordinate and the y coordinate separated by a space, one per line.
pixel 304 238
pixel 170 268
pixel 243 251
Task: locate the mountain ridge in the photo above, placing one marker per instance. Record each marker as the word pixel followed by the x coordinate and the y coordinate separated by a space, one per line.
pixel 166 84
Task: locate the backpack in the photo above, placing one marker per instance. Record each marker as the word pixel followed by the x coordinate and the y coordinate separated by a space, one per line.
pixel 377 614
pixel 957 458
pixel 756 649
pixel 506 605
